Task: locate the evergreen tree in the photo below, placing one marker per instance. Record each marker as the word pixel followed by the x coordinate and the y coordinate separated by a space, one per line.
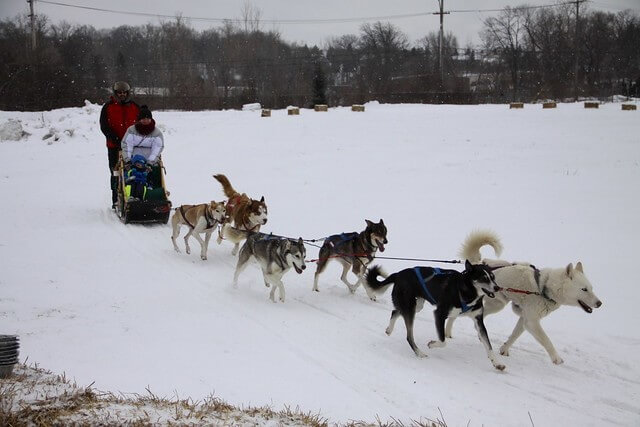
pixel 319 86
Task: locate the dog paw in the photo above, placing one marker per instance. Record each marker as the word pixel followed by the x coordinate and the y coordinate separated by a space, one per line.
pixel 388 331
pixel 421 354
pixel 504 351
pixel 557 360
pixel 203 257
pixel 499 366
pixel 188 250
pixel 281 299
pixel 372 298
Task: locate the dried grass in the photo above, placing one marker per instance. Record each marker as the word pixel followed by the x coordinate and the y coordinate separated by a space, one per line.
pixel 36 397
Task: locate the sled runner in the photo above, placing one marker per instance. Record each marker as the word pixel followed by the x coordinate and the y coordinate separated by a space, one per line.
pixel 152 206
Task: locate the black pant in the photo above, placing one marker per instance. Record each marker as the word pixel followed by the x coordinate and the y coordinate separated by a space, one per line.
pixel 114 156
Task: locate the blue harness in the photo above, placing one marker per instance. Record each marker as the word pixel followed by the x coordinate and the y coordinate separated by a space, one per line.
pixel 430 298
pixel 344 237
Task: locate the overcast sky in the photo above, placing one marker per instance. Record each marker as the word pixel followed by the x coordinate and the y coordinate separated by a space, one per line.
pixel 464 25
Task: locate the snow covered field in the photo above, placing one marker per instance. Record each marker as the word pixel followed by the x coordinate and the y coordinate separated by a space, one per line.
pixel 113 303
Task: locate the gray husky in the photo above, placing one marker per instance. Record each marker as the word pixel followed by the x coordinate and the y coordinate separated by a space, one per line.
pixel 275 255
pixel 354 251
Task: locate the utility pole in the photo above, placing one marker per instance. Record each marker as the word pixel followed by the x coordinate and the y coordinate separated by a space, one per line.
pixel 441 13
pixel 576 49
pixel 33 25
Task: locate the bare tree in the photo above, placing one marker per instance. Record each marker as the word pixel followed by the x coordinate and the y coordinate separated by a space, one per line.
pixel 382 46
pixel 505 35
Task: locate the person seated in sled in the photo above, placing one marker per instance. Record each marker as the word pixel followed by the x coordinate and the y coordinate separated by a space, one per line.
pixel 143 138
pixel 136 178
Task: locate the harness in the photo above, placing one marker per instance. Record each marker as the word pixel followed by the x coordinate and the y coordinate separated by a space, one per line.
pixel 344 238
pixel 542 288
pixel 232 202
pixel 211 222
pixel 423 282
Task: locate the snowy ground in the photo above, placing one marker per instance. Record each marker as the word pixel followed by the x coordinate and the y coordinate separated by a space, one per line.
pixel 114 304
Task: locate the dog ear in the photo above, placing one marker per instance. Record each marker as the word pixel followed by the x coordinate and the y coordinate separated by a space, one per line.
pixel 579 267
pixel 569 270
pixel 300 241
pixel 381 221
pixel 369 223
pixel 262 199
pixel 467 264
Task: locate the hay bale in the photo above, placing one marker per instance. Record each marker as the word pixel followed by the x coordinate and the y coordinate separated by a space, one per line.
pixel 516 105
pixel 266 113
pixel 356 107
pixel 551 104
pixel 629 107
pixel 321 107
pixel 591 104
pixel 293 111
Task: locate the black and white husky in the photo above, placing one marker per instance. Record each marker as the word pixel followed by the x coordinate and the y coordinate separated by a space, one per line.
pixel 276 255
pixel 453 293
pixel 353 251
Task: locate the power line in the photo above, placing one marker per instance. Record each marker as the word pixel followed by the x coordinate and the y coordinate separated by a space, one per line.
pixel 267 21
pixel 296 21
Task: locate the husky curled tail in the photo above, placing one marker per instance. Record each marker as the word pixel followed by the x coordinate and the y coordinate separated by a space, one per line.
pixel 372 282
pixel 475 240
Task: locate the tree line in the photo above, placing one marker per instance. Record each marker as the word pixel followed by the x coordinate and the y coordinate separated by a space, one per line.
pixel 526 54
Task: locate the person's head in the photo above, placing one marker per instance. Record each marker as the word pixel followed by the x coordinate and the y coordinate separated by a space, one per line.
pixel 145 116
pixel 138 161
pixel 122 91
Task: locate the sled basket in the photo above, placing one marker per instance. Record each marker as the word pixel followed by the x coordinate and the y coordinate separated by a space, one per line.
pixel 156 207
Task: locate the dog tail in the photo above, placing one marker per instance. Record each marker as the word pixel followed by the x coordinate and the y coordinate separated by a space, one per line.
pixel 226 185
pixel 374 284
pixel 234 234
pixel 475 240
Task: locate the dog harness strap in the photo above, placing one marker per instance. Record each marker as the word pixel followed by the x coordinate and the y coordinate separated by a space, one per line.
pixel 185 217
pixel 424 284
pixel 211 222
pixel 543 288
pixel 463 306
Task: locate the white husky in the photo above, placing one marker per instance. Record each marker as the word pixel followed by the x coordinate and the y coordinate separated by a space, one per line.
pixel 533 293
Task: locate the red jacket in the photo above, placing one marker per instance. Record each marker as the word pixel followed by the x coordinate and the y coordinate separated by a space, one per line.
pixel 115 119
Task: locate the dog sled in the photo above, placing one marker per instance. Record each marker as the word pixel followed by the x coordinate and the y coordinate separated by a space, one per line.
pixel 154 207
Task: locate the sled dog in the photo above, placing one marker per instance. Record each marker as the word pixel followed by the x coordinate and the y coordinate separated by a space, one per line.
pixel 533 293
pixel 352 250
pixel 203 218
pixel 244 213
pixel 453 293
pixel 276 255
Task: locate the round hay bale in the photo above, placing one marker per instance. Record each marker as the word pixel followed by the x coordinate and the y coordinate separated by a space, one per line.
pixel 293 111
pixel 359 108
pixel 266 113
pixel 551 104
pixel 321 107
pixel 629 107
pixel 516 105
pixel 591 104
